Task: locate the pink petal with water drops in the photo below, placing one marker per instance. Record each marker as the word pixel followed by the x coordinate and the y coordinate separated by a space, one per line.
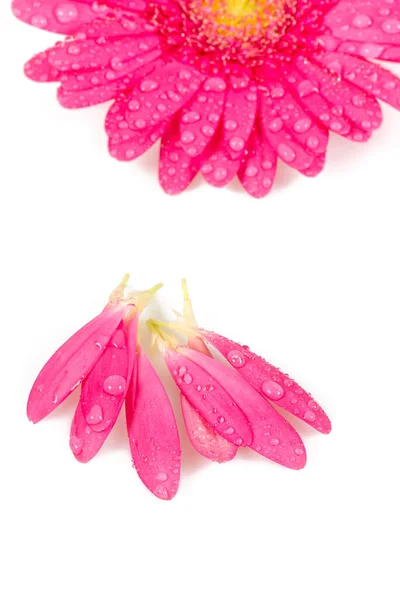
pixel 357 106
pixel 273 436
pixel 55 15
pixel 280 138
pixel 372 78
pixel 329 116
pixel 271 382
pixel 86 88
pixel 39 69
pixel 125 144
pixel 366 21
pixel 152 431
pixel 239 116
pixel 218 168
pixel 161 95
pixel 69 366
pixel 203 437
pixel 200 118
pixel 257 173
pixel 176 168
pixel 88 54
pixel 103 393
pixel 208 397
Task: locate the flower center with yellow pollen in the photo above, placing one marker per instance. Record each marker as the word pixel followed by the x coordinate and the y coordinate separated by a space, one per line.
pixel 242 22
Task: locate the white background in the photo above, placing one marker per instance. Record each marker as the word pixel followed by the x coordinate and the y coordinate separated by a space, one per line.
pixel 308 277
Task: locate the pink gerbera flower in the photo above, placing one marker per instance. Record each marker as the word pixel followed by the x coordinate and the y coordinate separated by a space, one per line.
pixel 228 85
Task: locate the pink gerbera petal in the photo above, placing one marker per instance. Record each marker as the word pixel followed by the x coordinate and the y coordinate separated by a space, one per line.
pixel 208 397
pixel 273 436
pixel 55 15
pixel 239 116
pixel 176 168
pixel 69 366
pixel 257 172
pixel 271 382
pixel 152 431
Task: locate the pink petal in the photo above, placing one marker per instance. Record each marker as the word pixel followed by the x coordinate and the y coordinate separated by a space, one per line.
pixel 103 393
pixel 274 437
pixel 372 78
pixel 200 118
pixel 208 397
pixel 239 116
pixel 69 366
pixel 161 95
pixel 39 69
pixel 218 168
pixel 125 144
pixel 271 382
pixel 152 431
pixel 357 106
pixel 176 169
pixel 204 438
pixel 257 172
pixel 365 22
pixel 282 139
pixel 55 15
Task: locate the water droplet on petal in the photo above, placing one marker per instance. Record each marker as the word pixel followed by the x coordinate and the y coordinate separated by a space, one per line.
pixel 274 441
pixel 187 378
pixel 309 416
pixel 66 12
pixel 39 21
pixel 362 21
pixel 76 445
pixel 95 415
pixel 115 385
pixel 272 390
pixel 229 431
pixel 162 477
pixel 236 358
pixel 286 153
pixel 236 143
pixel 161 491
pixel 148 85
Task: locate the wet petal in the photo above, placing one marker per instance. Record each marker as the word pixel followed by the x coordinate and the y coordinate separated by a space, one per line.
pixel 176 168
pixel 124 143
pixel 238 121
pixel 55 15
pixel 208 397
pixel 271 382
pixel 69 366
pixel 257 173
pixel 161 95
pixel 200 118
pixel 152 431
pixel 273 436
pixel 357 106
pixel 370 77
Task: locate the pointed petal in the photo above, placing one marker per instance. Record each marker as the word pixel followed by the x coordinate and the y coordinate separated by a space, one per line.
pixel 274 437
pixel 152 431
pixel 200 118
pixel 203 437
pixel 69 366
pixel 124 143
pixel 257 173
pixel 239 116
pixel 370 77
pixel 357 106
pixel 39 68
pixel 161 95
pixel 176 169
pixel 103 393
pixel 53 15
pixel 219 168
pixel 208 397
pixel 271 382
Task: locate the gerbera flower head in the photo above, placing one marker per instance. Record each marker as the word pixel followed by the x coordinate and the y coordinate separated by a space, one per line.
pixel 228 85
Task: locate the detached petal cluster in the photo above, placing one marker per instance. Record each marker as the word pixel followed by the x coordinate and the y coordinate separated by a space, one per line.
pixel 226 404
pixel 229 405
pixel 104 357
pixel 229 86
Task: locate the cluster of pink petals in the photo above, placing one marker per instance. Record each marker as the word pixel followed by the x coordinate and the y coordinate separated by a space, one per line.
pixel 105 359
pixel 222 106
pixel 225 405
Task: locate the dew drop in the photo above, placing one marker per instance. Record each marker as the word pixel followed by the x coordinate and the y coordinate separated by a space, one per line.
pixel 220 173
pixel 299 451
pixel 115 385
pixel 362 21
pixel 391 26
pixel 161 491
pixel 148 85
pixel 162 477
pixel 236 358
pixel 39 21
pixel 272 390
pixel 191 117
pixel 66 12
pixel 187 378
pixel 187 137
pixel 302 125
pixel 274 441
pixel 286 153
pixel 275 125
pixel 236 143
pixel 230 125
pixel 229 431
pixel 309 416
pixel 95 415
